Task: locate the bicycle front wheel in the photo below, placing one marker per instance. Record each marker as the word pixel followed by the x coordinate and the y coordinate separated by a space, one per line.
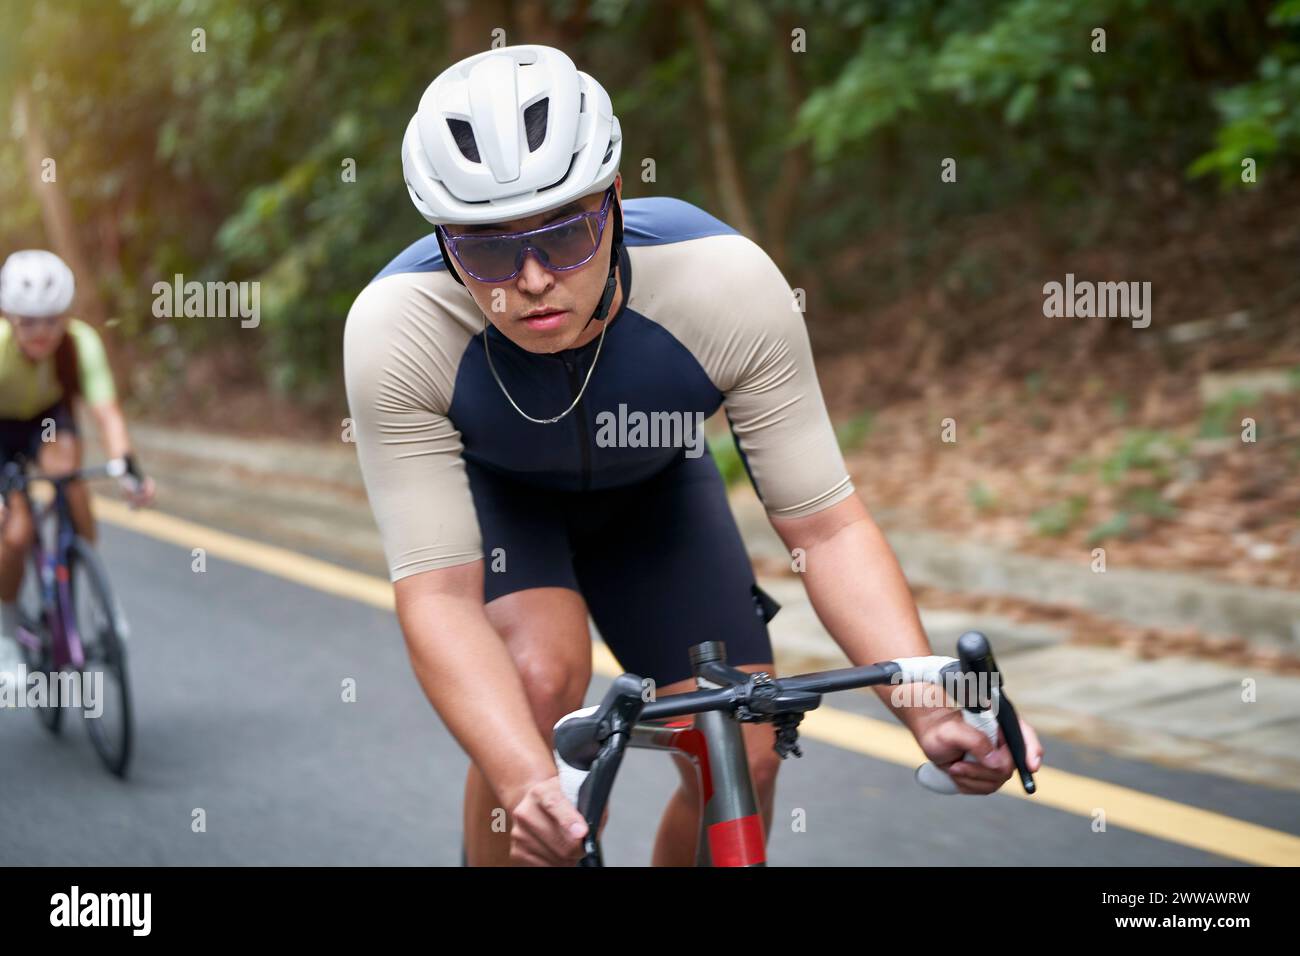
pixel 37 642
pixel 100 625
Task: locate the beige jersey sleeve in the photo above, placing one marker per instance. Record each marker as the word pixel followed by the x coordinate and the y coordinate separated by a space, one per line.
pixel 402 344
pixel 726 301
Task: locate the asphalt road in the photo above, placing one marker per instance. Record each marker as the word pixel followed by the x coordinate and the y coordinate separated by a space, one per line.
pixel 238 678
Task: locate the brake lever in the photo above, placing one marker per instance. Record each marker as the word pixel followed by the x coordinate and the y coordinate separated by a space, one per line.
pixel 595 792
pixel 977 658
pixel 617 714
pixel 1010 724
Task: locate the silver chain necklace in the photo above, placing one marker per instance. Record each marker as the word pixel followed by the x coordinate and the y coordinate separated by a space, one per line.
pixel 500 384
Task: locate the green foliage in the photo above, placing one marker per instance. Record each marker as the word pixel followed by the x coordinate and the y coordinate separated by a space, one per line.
pixel 1116 526
pixel 1259 118
pixel 1135 501
pixel 1141 467
pixel 981 497
pixel 1146 450
pixel 854 432
pixel 1148 501
pixel 1220 417
pixel 722 447
pixel 226 164
pixel 1059 517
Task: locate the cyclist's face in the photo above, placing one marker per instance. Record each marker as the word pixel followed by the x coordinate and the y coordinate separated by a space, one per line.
pixel 565 300
pixel 38 337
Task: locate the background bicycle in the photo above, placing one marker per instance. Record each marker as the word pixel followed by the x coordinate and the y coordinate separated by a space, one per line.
pixel 70 622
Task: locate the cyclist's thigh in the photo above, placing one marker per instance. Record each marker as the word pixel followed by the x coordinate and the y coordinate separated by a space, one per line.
pixel 545 631
pixel 525 541
pixel 17 437
pixel 16 531
pixel 63 454
pixel 669 570
pixel 530 589
pixel 26 436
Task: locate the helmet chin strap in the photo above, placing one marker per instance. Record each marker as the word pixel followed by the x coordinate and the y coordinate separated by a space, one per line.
pixel 611 281
pixel 611 285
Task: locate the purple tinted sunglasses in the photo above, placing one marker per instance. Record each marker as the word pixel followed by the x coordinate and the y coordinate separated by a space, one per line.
pixel 559 246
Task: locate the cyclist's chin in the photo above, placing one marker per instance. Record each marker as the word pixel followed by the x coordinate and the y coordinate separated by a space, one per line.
pixel 545 333
pixel 39 351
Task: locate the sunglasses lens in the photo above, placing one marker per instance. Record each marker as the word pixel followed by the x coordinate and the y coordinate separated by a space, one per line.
pixel 490 258
pixel 568 244
pixel 562 246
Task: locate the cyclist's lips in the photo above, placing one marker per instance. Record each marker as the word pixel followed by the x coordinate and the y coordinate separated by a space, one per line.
pixel 543 321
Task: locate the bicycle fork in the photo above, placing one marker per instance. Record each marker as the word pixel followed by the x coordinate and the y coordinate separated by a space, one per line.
pixel 731 827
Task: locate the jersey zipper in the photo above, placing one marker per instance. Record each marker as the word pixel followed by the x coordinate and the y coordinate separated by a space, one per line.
pixel 580 415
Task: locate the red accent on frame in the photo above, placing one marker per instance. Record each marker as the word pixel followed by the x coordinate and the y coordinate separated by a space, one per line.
pixel 738 842
pixel 693 743
pixel 61 573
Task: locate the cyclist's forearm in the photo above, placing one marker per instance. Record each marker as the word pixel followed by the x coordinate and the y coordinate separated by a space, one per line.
pixel 112 429
pixel 472 682
pixel 858 589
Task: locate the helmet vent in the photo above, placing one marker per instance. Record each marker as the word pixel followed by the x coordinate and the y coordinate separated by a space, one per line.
pixel 463 133
pixel 535 123
pixel 562 179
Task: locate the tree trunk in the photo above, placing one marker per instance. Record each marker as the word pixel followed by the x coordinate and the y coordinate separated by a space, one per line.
pixel 794 163
pixel 470 25
pixel 731 189
pixel 56 211
pixel 533 24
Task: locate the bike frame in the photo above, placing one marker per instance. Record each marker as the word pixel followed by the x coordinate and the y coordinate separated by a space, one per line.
pixel 731 828
pixel 55 583
pixel 704 726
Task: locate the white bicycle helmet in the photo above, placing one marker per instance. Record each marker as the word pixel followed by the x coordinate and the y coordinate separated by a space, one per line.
pixel 36 283
pixel 509 133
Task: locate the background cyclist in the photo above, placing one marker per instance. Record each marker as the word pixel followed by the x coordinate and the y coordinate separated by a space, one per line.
pixel 48 360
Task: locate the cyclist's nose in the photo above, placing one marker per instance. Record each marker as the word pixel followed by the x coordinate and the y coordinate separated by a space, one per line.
pixel 534 277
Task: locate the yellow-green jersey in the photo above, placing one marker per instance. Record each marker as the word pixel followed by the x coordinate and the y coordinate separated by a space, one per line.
pixel 27 388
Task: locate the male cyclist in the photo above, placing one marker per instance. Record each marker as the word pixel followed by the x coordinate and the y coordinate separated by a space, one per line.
pixel 46 361
pixel 483 365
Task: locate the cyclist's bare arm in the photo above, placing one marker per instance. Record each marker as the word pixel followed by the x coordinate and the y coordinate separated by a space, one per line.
pixel 857 587
pixel 861 596
pixel 471 680
pixel 111 424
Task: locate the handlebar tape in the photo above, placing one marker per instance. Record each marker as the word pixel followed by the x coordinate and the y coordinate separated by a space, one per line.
pixel 572 778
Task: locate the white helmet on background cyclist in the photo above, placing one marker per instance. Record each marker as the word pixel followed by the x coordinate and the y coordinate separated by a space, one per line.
pixel 36 283
pixel 509 133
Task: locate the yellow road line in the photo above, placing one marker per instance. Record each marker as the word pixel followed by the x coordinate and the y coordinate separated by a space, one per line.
pixel 280 562
pixel 1069 792
pixel 1082 796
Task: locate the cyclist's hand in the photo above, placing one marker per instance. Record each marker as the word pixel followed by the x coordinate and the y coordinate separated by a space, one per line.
pixel 548 829
pixel 948 739
pixel 139 493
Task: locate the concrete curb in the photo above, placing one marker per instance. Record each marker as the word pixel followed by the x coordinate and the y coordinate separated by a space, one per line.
pixel 1173 600
pixel 1166 599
